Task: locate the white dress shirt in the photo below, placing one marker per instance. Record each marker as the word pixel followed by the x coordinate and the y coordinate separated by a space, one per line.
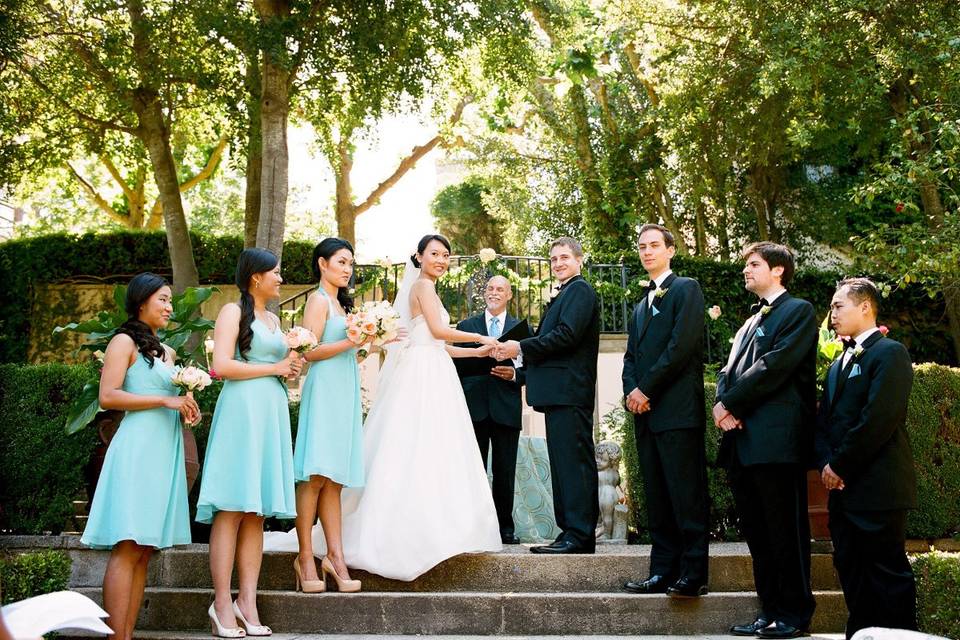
pixel 860 339
pixel 659 282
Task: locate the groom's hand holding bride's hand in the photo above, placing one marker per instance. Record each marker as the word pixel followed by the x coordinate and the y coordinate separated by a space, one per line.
pixel 508 350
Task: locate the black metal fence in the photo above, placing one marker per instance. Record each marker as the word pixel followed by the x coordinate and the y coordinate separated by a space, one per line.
pixel 461 290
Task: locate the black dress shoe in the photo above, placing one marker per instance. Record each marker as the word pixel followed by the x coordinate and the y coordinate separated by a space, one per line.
pixel 750 628
pixel 509 539
pixel 562 546
pixel 653 584
pixel 687 588
pixel 780 630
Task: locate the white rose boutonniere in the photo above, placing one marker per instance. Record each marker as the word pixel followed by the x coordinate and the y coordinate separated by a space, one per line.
pixel 765 309
pixel 858 351
pixel 660 293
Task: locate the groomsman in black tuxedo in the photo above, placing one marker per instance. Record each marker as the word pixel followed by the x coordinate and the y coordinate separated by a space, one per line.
pixel 560 361
pixel 663 388
pixel 766 397
pixel 494 402
pixel 864 455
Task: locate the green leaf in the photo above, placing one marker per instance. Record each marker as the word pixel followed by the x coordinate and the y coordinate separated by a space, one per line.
pixel 84 407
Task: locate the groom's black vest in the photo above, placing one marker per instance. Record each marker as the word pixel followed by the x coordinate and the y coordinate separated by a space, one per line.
pixel 560 360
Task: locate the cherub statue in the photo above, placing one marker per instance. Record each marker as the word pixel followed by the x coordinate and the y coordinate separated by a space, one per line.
pixel 612 524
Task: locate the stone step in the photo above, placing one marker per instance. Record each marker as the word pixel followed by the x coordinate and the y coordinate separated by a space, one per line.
pixel 476 612
pixel 513 570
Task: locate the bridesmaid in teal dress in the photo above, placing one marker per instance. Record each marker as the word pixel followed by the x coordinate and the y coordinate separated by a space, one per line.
pixel 248 465
pixel 140 503
pixel 328 455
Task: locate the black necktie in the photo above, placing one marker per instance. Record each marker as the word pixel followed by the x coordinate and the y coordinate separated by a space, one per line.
pixel 757 307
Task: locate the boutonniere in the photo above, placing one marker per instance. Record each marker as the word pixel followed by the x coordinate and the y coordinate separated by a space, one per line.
pixel 554 291
pixel 858 351
pixel 765 309
pixel 659 293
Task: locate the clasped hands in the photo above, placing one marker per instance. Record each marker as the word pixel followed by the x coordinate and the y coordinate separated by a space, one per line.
pixel 830 479
pixel 637 402
pixel 725 420
pixel 508 350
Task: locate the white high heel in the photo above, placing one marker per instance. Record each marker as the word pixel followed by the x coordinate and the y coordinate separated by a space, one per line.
pixel 219 630
pixel 252 629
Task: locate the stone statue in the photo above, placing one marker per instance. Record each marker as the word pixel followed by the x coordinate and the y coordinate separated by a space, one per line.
pixel 612 524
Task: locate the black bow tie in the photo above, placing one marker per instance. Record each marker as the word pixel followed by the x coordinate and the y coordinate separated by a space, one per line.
pixel 651 286
pixel 849 343
pixel 760 305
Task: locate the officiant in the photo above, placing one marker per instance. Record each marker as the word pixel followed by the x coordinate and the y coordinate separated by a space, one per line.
pixel 492 391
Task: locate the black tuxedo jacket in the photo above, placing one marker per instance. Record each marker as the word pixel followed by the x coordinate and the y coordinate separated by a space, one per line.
pixel 664 357
pixel 769 382
pixel 560 360
pixel 489 396
pixel 861 427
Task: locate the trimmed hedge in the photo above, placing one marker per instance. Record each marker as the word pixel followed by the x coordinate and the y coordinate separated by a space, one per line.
pixel 109 257
pixel 32 574
pixel 42 470
pixel 938 593
pixel 933 422
pixel 913 318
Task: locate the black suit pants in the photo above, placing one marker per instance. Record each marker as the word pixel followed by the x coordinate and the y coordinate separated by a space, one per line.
pixel 771 502
pixel 505 441
pixel 674 466
pixel 877 581
pixel 573 472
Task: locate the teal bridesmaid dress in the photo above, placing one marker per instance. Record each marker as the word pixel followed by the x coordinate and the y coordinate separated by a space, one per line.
pixel 142 491
pixel 248 465
pixel 329 430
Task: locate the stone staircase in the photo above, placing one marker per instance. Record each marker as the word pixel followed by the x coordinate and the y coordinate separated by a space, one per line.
pixel 509 593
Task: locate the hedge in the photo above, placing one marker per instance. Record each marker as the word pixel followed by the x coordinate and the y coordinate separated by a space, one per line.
pixel 43 468
pixel 914 319
pixel 32 574
pixel 933 422
pixel 938 593
pixel 109 257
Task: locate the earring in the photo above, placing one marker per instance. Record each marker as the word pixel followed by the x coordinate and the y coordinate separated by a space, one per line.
pixel 256 283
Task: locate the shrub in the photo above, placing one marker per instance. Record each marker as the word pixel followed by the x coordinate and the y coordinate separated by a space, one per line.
pixel 32 574
pixel 42 470
pixel 938 593
pixel 933 422
pixel 109 257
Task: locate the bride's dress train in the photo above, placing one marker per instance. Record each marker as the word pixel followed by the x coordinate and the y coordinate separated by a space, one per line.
pixel 426 497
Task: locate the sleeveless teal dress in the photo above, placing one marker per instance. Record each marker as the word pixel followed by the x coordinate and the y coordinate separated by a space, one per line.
pixel 329 430
pixel 142 491
pixel 248 465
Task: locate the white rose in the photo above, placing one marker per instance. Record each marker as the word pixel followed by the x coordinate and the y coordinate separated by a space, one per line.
pixel 714 312
pixel 487 255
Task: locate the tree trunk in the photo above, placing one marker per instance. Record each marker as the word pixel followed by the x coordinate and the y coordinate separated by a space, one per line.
pixel 346 211
pixel 665 206
pixel 274 111
pixel 153 131
pixel 251 214
pixel 700 228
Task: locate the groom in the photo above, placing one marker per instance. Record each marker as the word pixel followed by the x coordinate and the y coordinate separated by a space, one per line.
pixel 560 361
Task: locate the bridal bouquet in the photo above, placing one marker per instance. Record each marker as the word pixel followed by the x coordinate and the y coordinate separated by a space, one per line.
pixel 301 340
pixel 374 321
pixel 191 379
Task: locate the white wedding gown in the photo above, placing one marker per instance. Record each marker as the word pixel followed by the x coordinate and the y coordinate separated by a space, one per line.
pixel 426 496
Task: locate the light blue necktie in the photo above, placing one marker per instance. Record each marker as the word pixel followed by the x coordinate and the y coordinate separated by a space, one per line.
pixel 495 327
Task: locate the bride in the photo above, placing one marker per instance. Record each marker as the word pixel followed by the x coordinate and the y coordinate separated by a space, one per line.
pixel 426 497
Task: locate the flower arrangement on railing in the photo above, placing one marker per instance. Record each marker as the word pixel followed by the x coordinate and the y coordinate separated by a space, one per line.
pixel 487 263
pixel 185 334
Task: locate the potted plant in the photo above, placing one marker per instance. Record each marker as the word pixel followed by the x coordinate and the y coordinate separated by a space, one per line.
pixel 185 334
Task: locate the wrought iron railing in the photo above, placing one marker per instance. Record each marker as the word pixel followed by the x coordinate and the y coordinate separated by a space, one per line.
pixel 461 290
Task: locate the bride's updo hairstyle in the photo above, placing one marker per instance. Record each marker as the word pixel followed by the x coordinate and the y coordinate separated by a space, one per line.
pixel 422 246
pixel 251 261
pixel 141 287
pixel 326 250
